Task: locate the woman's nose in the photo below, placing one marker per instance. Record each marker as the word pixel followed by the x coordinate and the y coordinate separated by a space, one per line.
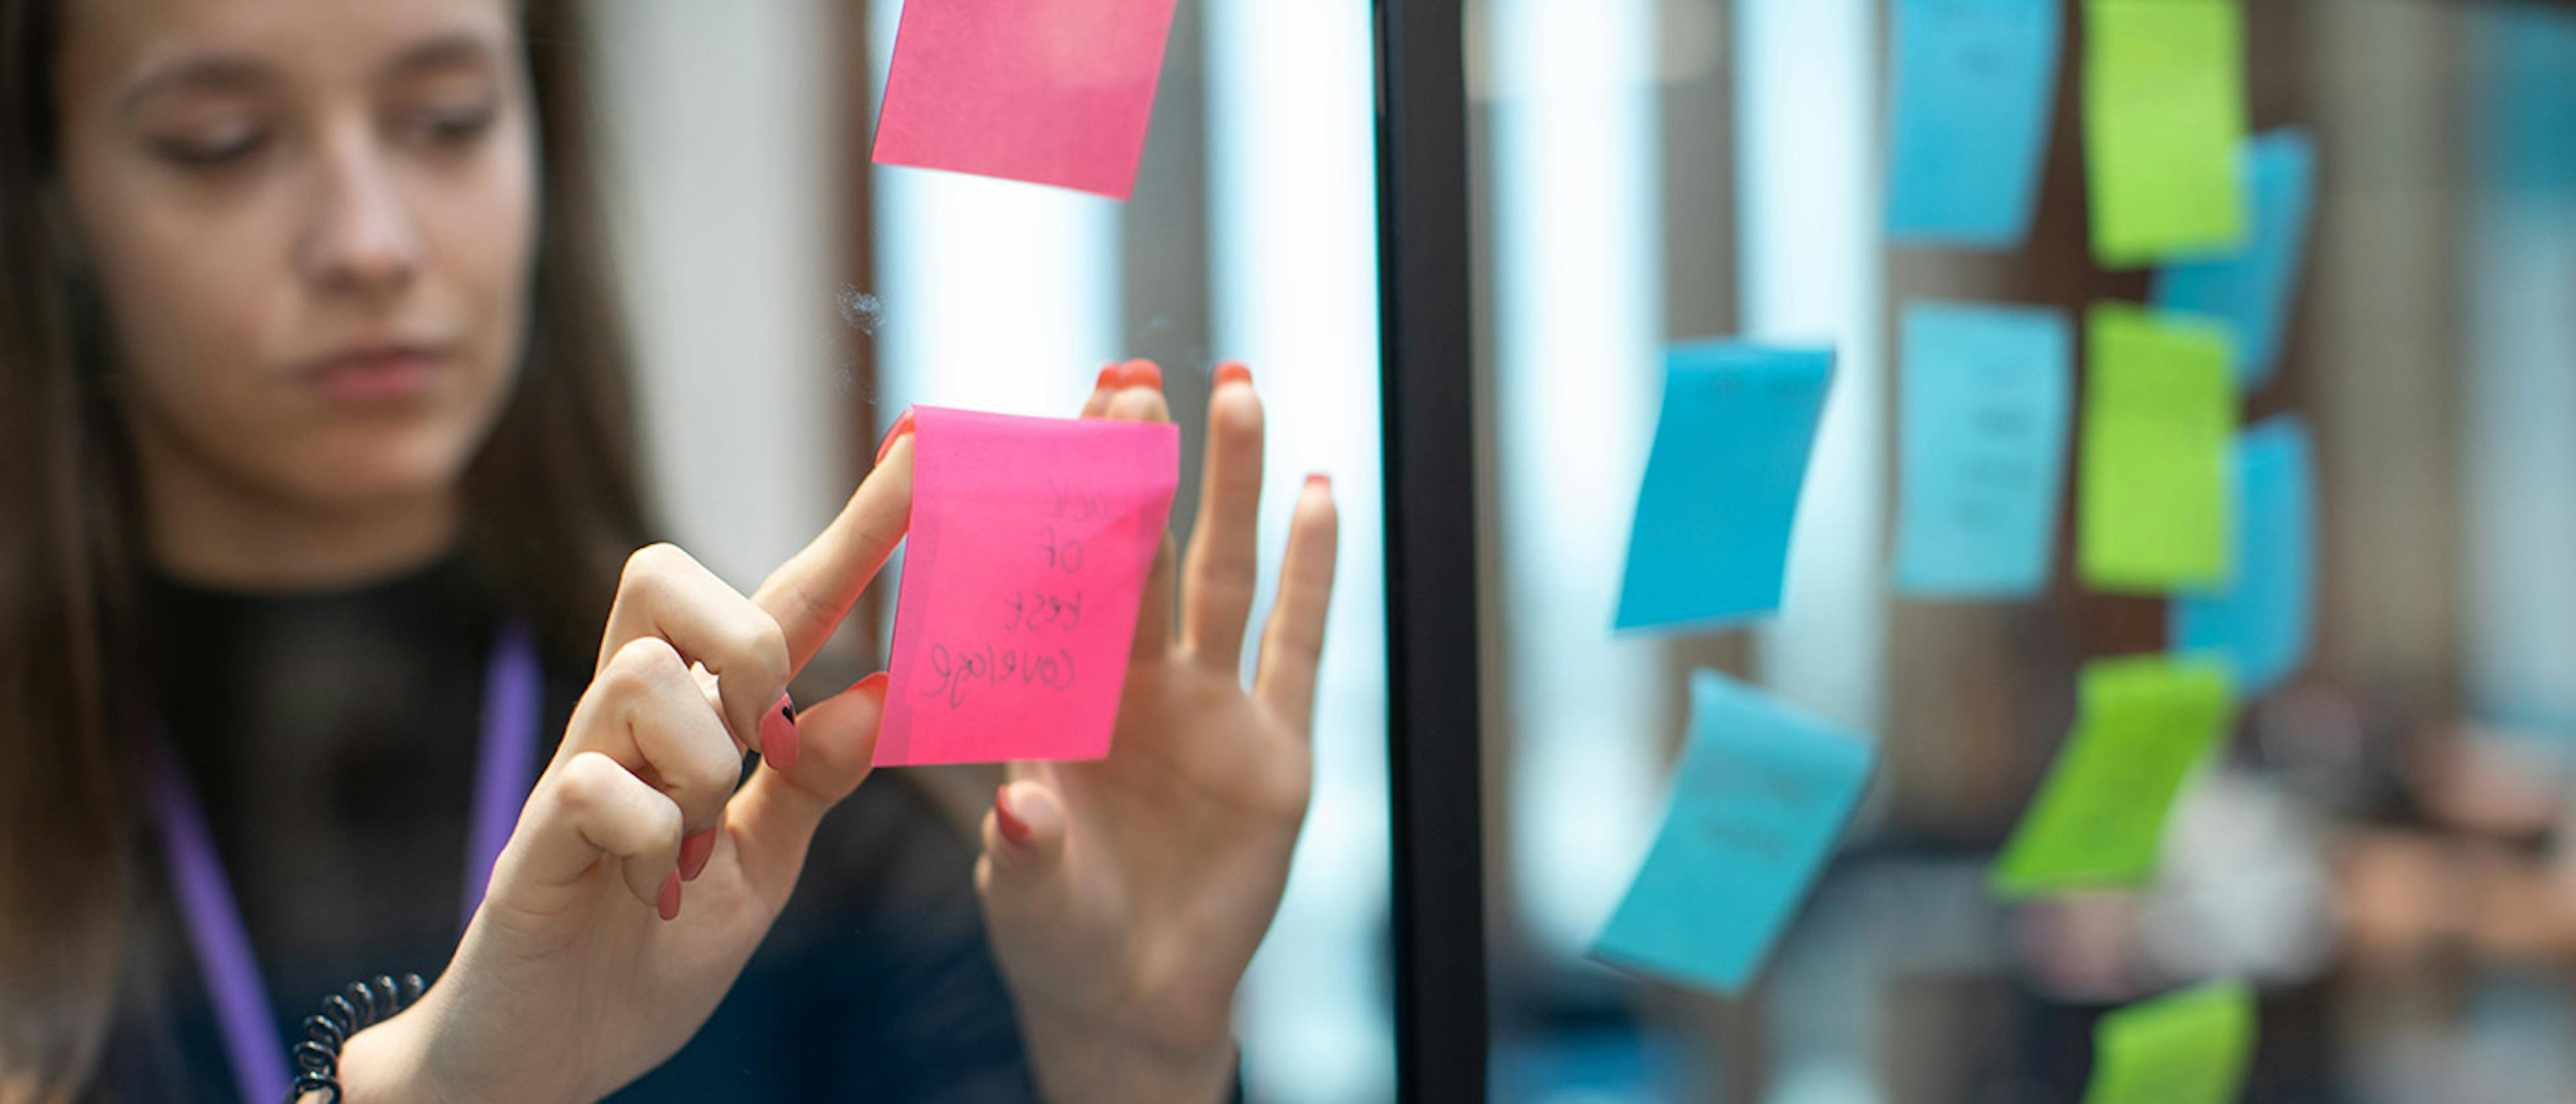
pixel 363 239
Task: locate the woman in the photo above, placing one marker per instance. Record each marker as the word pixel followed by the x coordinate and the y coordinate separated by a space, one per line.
pixel 321 482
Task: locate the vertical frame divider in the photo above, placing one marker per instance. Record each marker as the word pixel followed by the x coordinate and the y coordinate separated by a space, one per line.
pixel 1428 378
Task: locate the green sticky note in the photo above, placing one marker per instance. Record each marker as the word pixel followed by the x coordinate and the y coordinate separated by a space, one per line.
pixel 2141 725
pixel 2155 513
pixel 2164 113
pixel 2190 1047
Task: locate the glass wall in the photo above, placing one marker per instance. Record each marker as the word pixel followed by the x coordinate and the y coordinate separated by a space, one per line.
pixel 2375 848
pixel 833 293
pixel 335 427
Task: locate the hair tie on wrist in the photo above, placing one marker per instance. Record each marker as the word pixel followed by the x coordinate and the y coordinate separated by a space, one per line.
pixel 348 1012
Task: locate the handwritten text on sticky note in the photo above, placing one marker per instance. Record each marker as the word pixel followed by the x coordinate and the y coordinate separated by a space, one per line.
pixel 2159 413
pixel 2164 112
pixel 1982 451
pixel 1758 799
pixel 2249 290
pixel 1049 91
pixel 1711 537
pixel 2142 725
pixel 2259 624
pixel 1973 84
pixel 1031 540
pixel 2191 1047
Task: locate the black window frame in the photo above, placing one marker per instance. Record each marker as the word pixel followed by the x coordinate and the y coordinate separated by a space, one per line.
pixel 1427 381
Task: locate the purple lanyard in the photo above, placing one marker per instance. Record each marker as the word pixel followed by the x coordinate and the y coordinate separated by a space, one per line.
pixel 513 699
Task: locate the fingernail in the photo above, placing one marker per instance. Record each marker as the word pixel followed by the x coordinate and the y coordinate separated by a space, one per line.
pixel 875 684
pixel 902 428
pixel 1108 379
pixel 1013 828
pixel 1231 372
pixel 1322 480
pixel 694 853
pixel 778 734
pixel 1143 373
pixel 668 903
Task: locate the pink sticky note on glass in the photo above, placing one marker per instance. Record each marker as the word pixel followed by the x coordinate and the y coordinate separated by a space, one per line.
pixel 1049 91
pixel 1031 540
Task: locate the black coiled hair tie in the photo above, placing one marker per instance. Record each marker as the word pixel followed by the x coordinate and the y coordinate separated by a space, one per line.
pixel 348 1012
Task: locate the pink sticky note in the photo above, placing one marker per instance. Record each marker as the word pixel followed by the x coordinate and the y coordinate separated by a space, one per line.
pixel 1049 91
pixel 1031 540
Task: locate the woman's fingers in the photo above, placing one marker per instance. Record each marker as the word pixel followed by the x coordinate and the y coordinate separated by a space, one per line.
pixel 647 713
pixel 1225 554
pixel 590 806
pixel 810 593
pixel 668 595
pixel 774 817
pixel 1024 835
pixel 1023 878
pixel 1142 401
pixel 1097 405
pixel 1292 644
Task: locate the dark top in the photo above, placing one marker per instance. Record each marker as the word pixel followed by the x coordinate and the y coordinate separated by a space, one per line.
pixel 332 740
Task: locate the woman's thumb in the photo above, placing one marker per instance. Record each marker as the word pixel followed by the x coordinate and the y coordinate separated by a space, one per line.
pixel 774 817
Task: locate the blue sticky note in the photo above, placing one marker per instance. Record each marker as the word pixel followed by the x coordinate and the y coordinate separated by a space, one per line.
pixel 1972 83
pixel 1760 795
pixel 1985 399
pixel 1711 537
pixel 2260 625
pixel 2249 290
pixel 2524 65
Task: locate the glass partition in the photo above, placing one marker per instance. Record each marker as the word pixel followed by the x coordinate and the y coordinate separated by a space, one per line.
pixel 453 428
pixel 2374 849
pixel 1251 237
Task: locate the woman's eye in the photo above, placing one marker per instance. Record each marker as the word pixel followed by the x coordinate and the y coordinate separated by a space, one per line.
pixel 211 151
pixel 456 127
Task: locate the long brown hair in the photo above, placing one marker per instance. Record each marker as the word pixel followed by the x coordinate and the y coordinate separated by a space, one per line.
pixel 553 506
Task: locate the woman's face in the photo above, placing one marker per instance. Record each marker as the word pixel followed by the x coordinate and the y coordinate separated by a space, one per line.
pixel 313 224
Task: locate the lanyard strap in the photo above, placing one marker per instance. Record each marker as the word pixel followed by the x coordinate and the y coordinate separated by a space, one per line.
pixel 513 700
pixel 513 706
pixel 215 931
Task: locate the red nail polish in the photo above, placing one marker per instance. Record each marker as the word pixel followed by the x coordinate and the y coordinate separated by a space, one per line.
pixel 1231 372
pixel 875 684
pixel 778 737
pixel 1319 479
pixel 1108 379
pixel 668 903
pixel 902 428
pixel 694 853
pixel 1144 373
pixel 1013 828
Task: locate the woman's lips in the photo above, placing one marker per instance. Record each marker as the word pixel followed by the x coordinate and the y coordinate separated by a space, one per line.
pixel 375 377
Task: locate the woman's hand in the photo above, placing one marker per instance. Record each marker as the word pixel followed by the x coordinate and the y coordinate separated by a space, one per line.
pixel 1125 896
pixel 639 879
